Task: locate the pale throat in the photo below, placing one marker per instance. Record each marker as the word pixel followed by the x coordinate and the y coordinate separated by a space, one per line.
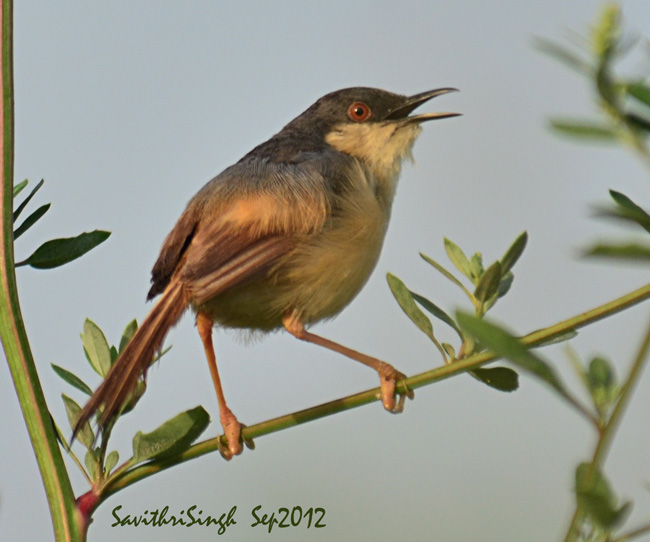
pixel 382 147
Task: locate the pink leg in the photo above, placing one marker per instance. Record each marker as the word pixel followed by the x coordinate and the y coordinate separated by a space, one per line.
pixel 230 424
pixel 388 375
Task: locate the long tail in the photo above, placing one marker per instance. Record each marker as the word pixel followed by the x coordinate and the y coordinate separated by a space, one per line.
pixel 136 357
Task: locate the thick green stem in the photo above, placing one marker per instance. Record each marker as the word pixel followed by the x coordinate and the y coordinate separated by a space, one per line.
pixel 12 331
pixel 127 477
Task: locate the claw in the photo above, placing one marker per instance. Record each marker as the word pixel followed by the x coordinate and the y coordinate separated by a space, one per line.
pixel 389 377
pixel 248 442
pixel 232 432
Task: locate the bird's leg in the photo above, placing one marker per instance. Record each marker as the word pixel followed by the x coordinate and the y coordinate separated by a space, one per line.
pixel 231 426
pixel 388 375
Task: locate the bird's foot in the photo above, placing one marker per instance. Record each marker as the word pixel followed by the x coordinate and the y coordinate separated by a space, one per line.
pixel 232 430
pixel 389 376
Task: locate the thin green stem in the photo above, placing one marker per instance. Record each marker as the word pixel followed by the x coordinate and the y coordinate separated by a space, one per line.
pixel 12 330
pixel 124 478
pixel 607 433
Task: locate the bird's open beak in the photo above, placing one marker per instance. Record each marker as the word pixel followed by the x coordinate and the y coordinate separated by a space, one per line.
pixel 401 113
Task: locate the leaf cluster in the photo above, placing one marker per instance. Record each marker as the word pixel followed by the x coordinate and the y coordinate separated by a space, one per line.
pixel 171 438
pixel 56 252
pixel 487 286
pixel 624 102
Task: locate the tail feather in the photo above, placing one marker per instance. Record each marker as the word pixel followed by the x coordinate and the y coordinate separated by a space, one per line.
pixel 136 357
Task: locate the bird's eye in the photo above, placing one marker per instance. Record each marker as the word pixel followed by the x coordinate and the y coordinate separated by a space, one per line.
pixel 359 112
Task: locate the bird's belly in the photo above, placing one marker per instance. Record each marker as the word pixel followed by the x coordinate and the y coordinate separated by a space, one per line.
pixel 319 278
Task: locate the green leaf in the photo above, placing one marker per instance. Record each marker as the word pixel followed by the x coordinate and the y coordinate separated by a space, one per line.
pixel 562 54
pixel 602 385
pixel 19 187
pixel 640 92
pixel 631 210
pixel 405 300
pixel 476 267
pixel 114 354
pixel 595 495
pixel 584 130
pixel 133 397
pixel 92 464
pixel 489 283
pixel 96 347
pixel 111 461
pixel 449 350
pixel 505 283
pixel 629 251
pixel 511 256
pixel 600 374
pixel 171 438
pixel 446 274
pixel 500 378
pixel 562 337
pixel 31 220
pixel 72 379
pixel 85 435
pixel 128 333
pixel 61 251
pixel 458 258
pixel 437 312
pixel 24 203
pixel 505 345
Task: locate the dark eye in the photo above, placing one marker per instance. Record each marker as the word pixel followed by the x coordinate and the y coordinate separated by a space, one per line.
pixel 359 112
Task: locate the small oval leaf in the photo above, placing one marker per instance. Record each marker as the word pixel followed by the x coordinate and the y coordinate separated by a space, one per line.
pixel 458 258
pixel 406 302
pixel 499 378
pixel 92 464
pixel 489 283
pixel 511 256
pixel 594 493
pixel 505 283
pixel 128 333
pixel 172 437
pixel 111 461
pixel 96 347
pixel 85 435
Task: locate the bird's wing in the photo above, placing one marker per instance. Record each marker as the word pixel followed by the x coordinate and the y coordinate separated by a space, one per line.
pixel 239 224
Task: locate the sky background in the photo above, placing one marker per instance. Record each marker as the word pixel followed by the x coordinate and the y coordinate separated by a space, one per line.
pixel 127 108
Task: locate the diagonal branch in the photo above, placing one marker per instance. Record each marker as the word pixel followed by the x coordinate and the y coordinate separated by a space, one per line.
pixel 125 477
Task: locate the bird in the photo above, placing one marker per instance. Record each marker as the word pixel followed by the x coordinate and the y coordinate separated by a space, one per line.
pixel 284 238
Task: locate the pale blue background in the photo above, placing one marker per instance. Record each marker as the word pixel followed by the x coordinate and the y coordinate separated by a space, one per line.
pixel 127 108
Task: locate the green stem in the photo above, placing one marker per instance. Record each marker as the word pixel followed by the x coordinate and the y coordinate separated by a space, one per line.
pixel 607 433
pixel 12 330
pixel 122 479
